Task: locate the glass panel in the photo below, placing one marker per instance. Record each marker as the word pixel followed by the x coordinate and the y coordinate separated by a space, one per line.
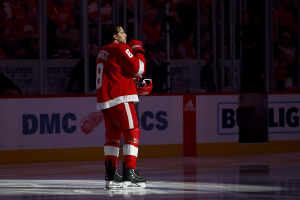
pixel 64 47
pixel 285 33
pixel 253 49
pixel 207 80
pixel 183 46
pixel 19 48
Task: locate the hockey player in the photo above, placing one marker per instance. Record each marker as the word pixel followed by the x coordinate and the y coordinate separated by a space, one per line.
pixel 117 65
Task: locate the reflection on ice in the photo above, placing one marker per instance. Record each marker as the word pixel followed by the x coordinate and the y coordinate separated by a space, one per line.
pixel 93 187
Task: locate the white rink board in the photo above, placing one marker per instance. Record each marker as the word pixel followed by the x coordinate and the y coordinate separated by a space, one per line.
pixel 23 132
pixel 21 122
pixel 47 123
pixel 211 127
pixel 286 117
pixel 208 114
pixel 161 120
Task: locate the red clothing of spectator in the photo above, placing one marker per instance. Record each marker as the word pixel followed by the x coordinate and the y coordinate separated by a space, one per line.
pixel 204 3
pixel 29 4
pixel 190 52
pixel 61 15
pixel 288 52
pixel 281 74
pixel 7 25
pixel 106 12
pixel 35 6
pixel 286 19
pixel 17 14
pixel 152 32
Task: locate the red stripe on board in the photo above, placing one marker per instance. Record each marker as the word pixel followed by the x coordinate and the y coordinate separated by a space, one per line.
pixel 189 125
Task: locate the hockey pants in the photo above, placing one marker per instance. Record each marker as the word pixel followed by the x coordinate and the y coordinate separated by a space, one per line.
pixel 121 120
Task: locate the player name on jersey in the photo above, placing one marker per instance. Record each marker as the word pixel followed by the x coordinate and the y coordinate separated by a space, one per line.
pixel 103 55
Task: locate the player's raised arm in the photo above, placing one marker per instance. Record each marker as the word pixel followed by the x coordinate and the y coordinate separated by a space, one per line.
pixel 132 58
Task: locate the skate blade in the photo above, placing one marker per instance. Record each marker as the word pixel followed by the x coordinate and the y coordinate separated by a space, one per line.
pixel 114 185
pixel 129 184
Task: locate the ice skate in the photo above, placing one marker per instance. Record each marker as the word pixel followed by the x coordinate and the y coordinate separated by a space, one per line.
pixel 131 180
pixel 112 178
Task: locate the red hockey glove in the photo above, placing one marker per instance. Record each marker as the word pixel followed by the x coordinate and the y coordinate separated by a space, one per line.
pixel 136 46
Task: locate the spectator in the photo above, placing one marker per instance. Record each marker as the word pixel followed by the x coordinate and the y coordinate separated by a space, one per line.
pixel 292 78
pixel 176 29
pixel 29 4
pixel 6 23
pixel 33 20
pixel 30 43
pixel 59 14
pixel 162 42
pixel 286 20
pixel 16 12
pixel 9 46
pixel 152 27
pixel 60 48
pixel 286 49
pixel 18 15
pixel 160 6
pixel 185 49
pixel 106 12
pixel 157 70
pixel 204 24
pixel 275 68
pixel 74 42
pixel 78 74
pixel 130 17
pixel 75 6
pixel 7 87
pixel 205 43
pixel 186 13
pixel 149 48
pixel 206 18
pixel 281 74
pixel 93 34
pixel 207 74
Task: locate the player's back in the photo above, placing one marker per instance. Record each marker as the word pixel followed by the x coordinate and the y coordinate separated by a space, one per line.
pixel 116 67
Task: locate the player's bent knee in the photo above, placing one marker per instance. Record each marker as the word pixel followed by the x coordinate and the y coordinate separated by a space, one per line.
pixel 113 137
pixel 132 136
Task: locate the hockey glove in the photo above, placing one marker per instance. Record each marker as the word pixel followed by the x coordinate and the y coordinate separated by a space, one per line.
pixel 136 46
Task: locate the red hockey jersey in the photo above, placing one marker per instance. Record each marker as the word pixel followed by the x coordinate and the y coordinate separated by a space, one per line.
pixel 116 68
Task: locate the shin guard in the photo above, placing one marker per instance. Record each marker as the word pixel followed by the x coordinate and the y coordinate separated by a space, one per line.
pixel 130 148
pixel 112 145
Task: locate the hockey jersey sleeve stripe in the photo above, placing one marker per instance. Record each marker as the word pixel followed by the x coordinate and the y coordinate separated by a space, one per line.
pixel 117 101
pixel 130 150
pixel 130 120
pixel 111 151
pixel 141 68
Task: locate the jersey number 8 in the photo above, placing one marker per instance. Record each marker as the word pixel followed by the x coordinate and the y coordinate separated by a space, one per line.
pixel 128 53
pixel 99 75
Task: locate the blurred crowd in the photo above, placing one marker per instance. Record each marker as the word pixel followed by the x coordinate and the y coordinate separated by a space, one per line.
pixel 19 33
pixel 285 62
pixel 19 27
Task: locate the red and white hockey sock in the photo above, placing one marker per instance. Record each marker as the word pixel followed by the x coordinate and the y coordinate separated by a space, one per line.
pixel 130 155
pixel 111 154
pixel 130 148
